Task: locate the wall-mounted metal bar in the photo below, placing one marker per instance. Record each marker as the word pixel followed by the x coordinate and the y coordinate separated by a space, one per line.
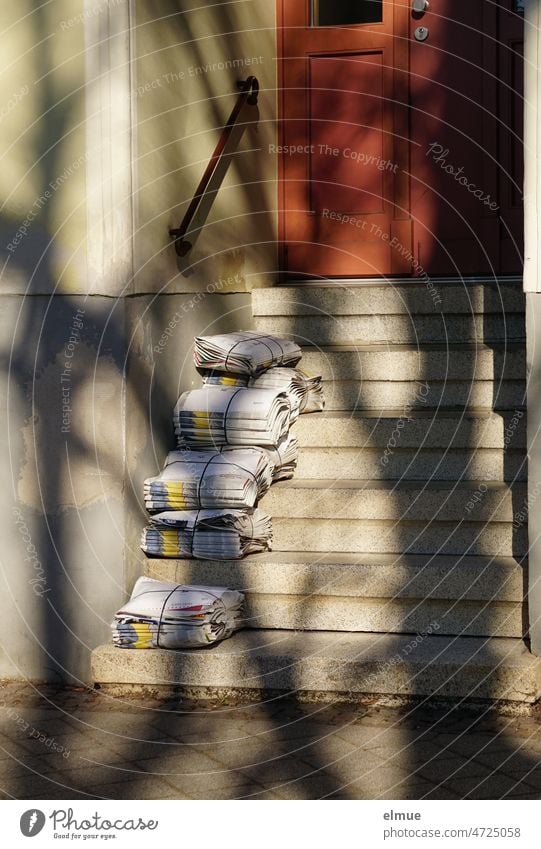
pixel 249 91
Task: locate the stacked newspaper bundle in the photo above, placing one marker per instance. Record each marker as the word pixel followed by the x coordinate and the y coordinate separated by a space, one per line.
pixel 245 352
pixel 305 393
pixel 284 458
pixel 170 616
pixel 223 415
pixel 228 477
pixel 234 441
pixel 207 534
pixel 220 378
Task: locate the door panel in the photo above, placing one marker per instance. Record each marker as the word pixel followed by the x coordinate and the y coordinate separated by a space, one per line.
pixel 342 175
pixel 453 97
pixel 339 167
pixel 401 156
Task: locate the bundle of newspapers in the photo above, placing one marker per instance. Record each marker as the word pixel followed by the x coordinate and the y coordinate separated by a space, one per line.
pixel 284 458
pixel 171 616
pixel 231 415
pixel 224 534
pixel 305 393
pixel 245 352
pixel 234 441
pixel 226 477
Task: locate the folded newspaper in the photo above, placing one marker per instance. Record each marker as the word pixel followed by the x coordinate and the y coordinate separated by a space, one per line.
pixel 229 415
pixel 305 393
pixel 171 616
pixel 207 534
pixel 246 352
pixel 227 477
pixel 284 458
pixel 210 377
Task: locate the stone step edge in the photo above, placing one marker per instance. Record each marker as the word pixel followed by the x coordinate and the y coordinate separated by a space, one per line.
pixel 356 300
pixel 363 577
pixel 384 282
pixel 397 485
pixel 515 346
pixel 496 668
pixel 470 428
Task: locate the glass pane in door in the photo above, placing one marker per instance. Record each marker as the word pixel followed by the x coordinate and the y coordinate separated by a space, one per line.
pixel 331 13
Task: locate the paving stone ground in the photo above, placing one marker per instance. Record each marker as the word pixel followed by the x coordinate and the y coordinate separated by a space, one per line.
pixel 80 744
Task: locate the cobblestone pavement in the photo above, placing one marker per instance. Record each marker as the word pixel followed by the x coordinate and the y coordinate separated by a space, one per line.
pixel 80 744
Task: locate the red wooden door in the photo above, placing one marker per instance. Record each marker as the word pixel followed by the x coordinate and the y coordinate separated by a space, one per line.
pixel 400 154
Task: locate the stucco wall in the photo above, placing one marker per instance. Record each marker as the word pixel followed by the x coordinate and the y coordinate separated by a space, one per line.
pixel 93 355
pixel 62 458
pixel 187 66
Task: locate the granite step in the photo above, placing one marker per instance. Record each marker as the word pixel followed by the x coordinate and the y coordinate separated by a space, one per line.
pixel 418 429
pixel 419 464
pixel 381 395
pixel 367 592
pixel 424 363
pixel 384 328
pixel 400 500
pixel 330 664
pixel 395 537
pixel 389 298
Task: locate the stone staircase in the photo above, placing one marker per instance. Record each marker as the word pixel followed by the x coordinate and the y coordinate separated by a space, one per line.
pixel 400 546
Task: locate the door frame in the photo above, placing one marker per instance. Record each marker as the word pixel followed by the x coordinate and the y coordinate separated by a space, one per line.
pixel 532 117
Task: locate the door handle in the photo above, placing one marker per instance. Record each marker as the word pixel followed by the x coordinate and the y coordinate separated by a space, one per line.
pixel 419 6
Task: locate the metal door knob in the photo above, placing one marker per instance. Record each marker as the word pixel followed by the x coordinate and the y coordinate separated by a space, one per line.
pixel 419 6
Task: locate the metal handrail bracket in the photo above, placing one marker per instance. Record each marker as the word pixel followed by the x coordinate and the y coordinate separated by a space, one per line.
pixel 249 92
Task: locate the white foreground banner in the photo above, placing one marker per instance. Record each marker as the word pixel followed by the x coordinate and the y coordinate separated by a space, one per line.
pixel 313 824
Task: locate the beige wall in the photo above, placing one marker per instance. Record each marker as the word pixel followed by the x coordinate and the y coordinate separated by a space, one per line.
pixel 42 142
pixel 184 83
pixel 71 507
pixel 183 94
pixel 62 357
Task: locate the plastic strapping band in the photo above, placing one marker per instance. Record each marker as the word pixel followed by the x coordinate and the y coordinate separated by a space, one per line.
pixel 230 350
pixel 202 475
pixel 254 339
pixel 240 389
pixel 167 597
pixel 194 530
